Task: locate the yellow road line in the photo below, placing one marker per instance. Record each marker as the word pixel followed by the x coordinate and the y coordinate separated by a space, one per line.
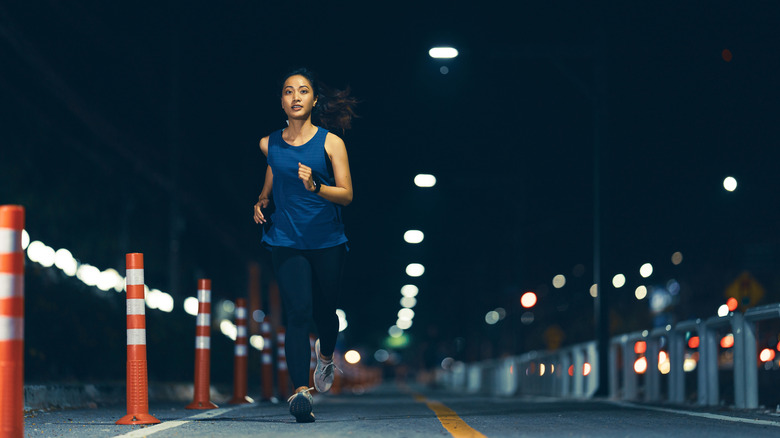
pixel 449 419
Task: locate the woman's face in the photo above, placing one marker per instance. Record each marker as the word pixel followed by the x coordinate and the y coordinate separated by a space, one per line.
pixel 298 98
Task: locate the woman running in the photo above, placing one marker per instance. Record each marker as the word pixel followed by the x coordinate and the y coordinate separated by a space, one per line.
pixel 309 181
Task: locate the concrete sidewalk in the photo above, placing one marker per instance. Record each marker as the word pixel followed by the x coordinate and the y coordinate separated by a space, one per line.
pixel 80 396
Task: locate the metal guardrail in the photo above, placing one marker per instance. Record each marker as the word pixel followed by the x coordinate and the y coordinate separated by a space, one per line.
pixel 573 371
pixel 568 372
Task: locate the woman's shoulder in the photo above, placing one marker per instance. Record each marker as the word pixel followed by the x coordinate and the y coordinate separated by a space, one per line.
pixel 270 137
pixel 333 139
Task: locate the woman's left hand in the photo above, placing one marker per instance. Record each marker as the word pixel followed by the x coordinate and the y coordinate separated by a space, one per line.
pixel 304 174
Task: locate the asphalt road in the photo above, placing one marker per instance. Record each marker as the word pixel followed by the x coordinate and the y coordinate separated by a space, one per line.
pixel 393 411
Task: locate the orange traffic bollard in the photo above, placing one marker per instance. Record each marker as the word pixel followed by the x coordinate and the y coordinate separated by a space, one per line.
pixel 137 383
pixel 283 374
pixel 267 367
pixel 203 349
pixel 11 321
pixel 240 356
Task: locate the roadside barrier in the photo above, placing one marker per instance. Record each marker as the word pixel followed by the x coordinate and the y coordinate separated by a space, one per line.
pixel 283 375
pixel 240 356
pixel 202 392
pixel 11 321
pixel 267 365
pixel 137 382
pixel 648 365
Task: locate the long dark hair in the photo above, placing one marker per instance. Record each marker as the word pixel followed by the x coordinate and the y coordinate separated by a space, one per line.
pixel 335 108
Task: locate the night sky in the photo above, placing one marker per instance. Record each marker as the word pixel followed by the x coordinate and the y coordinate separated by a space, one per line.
pixel 117 115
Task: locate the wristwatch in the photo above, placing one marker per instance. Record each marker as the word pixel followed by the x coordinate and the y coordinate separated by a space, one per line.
pixel 317 185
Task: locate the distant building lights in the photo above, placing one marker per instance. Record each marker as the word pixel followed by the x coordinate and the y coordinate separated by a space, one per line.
pixel 594 290
pixel 559 281
pixel 677 258
pixel 443 52
pixel 25 239
pixel 228 329
pixel 491 317
pixel 404 324
pixel 342 320
pixel 528 300
pixel 257 342
pixel 395 331
pixel 619 281
pixel 646 270
pixel 352 357
pixel 406 313
pixel 409 290
pixel 723 310
pixel 640 365
pixel 641 292
pixel 408 302
pixel 425 180
pixel 191 305
pixel 767 355
pixel 381 355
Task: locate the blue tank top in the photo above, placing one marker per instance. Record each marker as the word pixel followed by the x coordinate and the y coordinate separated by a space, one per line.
pixel 302 219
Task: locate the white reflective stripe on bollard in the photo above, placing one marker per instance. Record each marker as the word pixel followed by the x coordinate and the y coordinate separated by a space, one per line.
pixel 10 241
pixel 11 285
pixel 135 277
pixel 203 342
pixel 136 336
pixel 11 329
pixel 136 306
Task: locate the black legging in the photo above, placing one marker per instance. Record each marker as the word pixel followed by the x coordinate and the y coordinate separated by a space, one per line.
pixel 310 281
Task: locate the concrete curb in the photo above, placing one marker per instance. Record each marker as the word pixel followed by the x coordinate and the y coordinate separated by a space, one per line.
pixel 79 396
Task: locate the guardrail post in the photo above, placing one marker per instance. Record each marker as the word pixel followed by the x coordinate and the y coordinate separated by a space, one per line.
pixel 751 364
pixel 737 330
pixel 592 382
pixel 769 311
pixel 676 370
pixel 652 376
pixel 629 376
pixel 614 371
pixel 579 367
pixel 708 360
pixel 566 380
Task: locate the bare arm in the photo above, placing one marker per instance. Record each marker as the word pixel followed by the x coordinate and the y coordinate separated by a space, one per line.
pixel 265 194
pixel 341 192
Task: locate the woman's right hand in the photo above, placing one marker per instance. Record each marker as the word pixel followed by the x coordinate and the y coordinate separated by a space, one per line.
pixel 261 204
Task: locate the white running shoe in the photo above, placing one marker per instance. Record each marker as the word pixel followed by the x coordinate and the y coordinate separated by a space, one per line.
pixel 323 374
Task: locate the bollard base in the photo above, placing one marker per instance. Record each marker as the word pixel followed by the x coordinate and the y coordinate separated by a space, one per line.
pixel 202 405
pixel 137 419
pixel 241 400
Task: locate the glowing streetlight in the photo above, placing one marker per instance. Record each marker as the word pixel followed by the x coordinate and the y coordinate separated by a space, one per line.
pixel 425 180
pixel 443 52
pixel 414 236
pixel 730 183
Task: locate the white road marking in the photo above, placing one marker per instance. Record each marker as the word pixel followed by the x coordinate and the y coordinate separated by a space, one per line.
pixel 702 414
pixel 146 431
